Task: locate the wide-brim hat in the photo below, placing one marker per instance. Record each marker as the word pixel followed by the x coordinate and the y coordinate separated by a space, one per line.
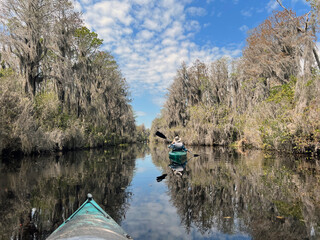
pixel 177 139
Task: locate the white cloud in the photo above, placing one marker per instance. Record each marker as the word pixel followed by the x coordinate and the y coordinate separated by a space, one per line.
pixel 219 14
pixel 76 5
pixel 175 31
pixel 247 13
pixel 151 25
pixel 196 11
pixel 244 28
pixel 86 2
pixel 145 35
pixel 159 101
pixel 193 26
pixel 150 40
pixel 169 41
pixel 140 113
pixel 108 14
pixel 142 2
pixel 272 5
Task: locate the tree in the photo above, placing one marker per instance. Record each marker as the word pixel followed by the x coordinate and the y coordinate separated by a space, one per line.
pixel 315 7
pixel 198 79
pixel 219 82
pixel 61 59
pixel 72 85
pixel 26 29
pixel 177 98
pixel 311 25
pixel 274 50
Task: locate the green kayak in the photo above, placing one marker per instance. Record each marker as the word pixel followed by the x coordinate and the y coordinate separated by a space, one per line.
pixel 90 221
pixel 178 156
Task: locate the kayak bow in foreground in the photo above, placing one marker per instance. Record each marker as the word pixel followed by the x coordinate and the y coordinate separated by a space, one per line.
pixel 90 221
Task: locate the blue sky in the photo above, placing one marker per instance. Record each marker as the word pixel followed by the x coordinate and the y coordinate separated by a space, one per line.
pixel 151 38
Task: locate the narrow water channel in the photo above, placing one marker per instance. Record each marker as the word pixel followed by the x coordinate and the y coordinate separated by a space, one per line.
pixel 222 194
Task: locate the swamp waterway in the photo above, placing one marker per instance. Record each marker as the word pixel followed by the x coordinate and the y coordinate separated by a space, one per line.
pixel 222 194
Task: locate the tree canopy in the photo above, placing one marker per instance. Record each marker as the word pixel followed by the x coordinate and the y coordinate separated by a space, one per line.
pixel 65 76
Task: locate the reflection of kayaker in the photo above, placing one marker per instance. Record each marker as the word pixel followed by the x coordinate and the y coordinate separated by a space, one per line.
pixel 178 169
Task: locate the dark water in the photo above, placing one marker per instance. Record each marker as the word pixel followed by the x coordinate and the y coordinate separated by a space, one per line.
pixel 222 194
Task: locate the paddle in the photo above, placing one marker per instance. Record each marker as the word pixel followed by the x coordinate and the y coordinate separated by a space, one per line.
pixel 161 135
pixel 194 155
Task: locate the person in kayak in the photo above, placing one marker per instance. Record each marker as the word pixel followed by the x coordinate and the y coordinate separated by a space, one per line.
pixel 177 145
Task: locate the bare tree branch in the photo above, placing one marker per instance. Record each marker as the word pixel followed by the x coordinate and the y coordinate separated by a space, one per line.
pixel 314 50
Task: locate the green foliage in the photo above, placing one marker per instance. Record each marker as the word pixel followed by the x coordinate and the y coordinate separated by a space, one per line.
pixel 273 133
pixel 88 37
pixel 142 133
pixel 315 76
pixel 290 209
pixel 283 93
pixel 48 111
pixel 201 114
pixel 7 72
pixel 10 108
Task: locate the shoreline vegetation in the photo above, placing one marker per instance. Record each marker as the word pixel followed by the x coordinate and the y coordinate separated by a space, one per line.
pixel 58 89
pixel 267 99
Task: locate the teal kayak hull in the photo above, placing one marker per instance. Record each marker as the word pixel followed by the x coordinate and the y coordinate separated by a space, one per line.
pixel 178 156
pixel 90 221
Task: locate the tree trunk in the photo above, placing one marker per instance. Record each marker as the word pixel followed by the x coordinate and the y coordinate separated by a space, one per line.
pixel 61 94
pixel 316 56
pixel 30 84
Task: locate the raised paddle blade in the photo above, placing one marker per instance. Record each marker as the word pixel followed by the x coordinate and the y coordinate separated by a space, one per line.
pixel 159 134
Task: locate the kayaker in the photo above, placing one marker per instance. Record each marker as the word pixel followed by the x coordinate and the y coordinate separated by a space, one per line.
pixel 177 145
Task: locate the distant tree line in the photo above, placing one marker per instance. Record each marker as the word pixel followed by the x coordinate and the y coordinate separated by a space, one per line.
pixel 58 89
pixel 269 98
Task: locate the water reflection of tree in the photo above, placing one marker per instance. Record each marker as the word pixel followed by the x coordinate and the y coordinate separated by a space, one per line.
pixel 55 186
pixel 265 197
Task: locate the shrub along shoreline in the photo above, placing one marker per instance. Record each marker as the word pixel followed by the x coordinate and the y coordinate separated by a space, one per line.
pixel 37 126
